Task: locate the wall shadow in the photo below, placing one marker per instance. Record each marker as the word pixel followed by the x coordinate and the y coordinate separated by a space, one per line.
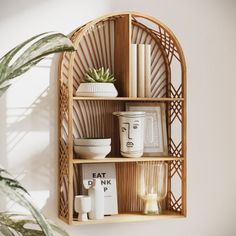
pixel 37 172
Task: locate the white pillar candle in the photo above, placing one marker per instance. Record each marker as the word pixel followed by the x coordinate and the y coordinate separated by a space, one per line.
pixel 151 206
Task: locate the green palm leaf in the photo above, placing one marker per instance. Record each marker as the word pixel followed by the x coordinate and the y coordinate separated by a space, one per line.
pixel 18 194
pixel 17 224
pixel 5 60
pixel 11 67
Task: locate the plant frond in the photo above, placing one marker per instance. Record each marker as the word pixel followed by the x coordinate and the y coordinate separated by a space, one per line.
pixel 50 43
pixel 13 189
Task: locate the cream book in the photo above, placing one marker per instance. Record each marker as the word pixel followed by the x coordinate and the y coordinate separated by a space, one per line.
pixel 147 71
pixel 133 78
pixel 107 173
pixel 141 71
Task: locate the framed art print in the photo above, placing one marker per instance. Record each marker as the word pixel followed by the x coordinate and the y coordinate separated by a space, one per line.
pixel 155 135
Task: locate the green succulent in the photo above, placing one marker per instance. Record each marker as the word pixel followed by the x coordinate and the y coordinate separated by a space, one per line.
pixel 98 76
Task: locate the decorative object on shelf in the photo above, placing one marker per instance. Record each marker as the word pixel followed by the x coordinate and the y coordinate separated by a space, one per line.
pixel 141 70
pixel 155 137
pixel 96 193
pixel 147 70
pixel 133 76
pixel 97 83
pixel 131 126
pixel 89 152
pixel 14 64
pixel 140 80
pixel 91 148
pixel 82 206
pixel 92 141
pixel 107 173
pixel 152 185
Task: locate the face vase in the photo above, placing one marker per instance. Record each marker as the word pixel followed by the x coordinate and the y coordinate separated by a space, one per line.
pixel 131 125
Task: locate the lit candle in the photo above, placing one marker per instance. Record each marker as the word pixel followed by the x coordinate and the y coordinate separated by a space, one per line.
pixel 151 206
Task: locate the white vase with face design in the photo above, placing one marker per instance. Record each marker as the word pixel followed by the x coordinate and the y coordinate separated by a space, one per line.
pixel 131 125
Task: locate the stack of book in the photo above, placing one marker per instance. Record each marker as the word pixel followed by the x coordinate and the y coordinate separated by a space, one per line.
pixel 140 83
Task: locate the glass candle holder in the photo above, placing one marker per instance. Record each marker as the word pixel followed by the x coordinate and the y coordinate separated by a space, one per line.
pixel 152 185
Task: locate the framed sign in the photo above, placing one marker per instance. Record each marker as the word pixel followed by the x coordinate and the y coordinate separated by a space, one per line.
pixel 107 173
pixel 155 135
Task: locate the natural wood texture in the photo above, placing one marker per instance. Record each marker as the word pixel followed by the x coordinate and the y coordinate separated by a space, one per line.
pixel 106 42
pixel 128 200
pixel 134 217
pixel 129 99
pixel 63 209
pixel 123 159
pixel 122 54
pixel 70 143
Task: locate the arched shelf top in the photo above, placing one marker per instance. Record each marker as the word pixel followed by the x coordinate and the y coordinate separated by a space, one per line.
pixel 76 34
pixel 101 50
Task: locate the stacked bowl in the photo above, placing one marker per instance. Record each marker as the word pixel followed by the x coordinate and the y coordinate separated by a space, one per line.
pixel 92 148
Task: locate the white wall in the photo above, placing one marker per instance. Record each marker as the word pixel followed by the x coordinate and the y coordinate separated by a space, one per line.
pixel 28 111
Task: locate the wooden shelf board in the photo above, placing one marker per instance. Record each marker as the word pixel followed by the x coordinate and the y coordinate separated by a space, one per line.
pixel 128 99
pixel 130 217
pixel 125 159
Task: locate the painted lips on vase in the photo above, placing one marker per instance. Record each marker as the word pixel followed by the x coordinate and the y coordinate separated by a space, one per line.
pixel 131 126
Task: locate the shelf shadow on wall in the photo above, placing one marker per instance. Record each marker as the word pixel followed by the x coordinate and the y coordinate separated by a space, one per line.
pixel 38 172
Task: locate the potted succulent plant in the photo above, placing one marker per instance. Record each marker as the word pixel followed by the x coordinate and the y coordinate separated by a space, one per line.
pixel 97 83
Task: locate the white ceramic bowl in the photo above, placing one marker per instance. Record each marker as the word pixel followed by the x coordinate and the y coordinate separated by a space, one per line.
pixel 92 152
pixel 96 90
pixel 92 142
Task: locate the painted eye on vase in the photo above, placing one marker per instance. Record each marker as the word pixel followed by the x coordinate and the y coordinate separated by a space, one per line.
pixel 135 126
pixel 123 129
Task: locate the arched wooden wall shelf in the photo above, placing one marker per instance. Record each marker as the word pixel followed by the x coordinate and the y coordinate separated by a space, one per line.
pixel 106 42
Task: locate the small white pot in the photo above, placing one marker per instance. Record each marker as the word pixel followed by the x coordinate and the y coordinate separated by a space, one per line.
pixel 96 90
pixel 82 205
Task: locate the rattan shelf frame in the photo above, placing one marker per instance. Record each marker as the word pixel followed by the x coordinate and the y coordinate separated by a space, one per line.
pixel 134 217
pixel 129 99
pixel 122 159
pixel 119 30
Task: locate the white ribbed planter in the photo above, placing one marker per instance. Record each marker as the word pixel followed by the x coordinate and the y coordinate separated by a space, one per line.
pixel 96 90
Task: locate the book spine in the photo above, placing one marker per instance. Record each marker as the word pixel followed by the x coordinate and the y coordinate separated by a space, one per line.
pixel 133 79
pixel 82 189
pixel 141 79
pixel 147 70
